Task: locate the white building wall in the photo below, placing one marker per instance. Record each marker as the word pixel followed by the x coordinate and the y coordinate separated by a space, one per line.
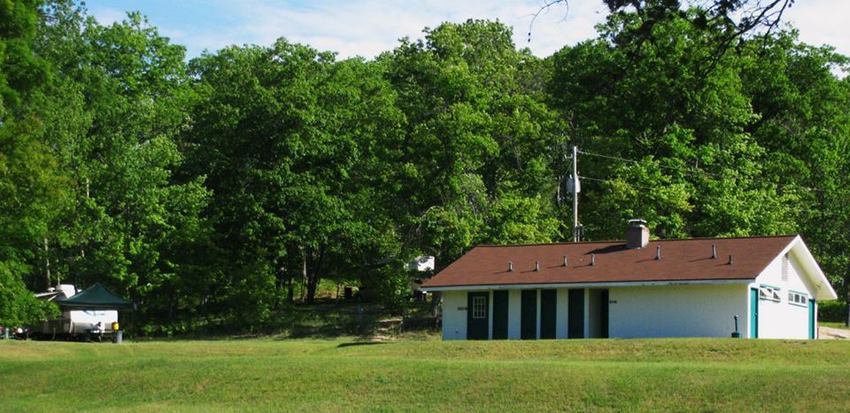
pixel 782 319
pixel 677 310
pixel 514 320
pixel 454 315
pixel 561 320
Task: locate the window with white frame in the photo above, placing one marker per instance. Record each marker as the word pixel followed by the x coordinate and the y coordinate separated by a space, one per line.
pixel 479 307
pixel 798 298
pixel 769 293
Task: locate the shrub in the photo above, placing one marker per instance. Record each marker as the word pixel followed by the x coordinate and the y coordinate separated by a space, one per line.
pixel 834 311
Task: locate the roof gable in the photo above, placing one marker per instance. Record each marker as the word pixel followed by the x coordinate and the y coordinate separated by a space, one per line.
pixel 681 260
pixel 811 271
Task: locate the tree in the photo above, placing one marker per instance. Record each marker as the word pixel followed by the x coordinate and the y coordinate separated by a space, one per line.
pixel 30 186
pixel 479 139
pixel 117 102
pixel 683 135
pixel 290 141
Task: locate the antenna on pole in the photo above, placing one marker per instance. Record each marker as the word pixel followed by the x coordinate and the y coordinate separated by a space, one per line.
pixel 574 186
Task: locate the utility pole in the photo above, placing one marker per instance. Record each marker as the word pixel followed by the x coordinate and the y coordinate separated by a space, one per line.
pixel 575 188
pixel 575 193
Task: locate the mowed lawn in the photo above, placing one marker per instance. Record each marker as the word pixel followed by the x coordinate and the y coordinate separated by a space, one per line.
pixel 431 375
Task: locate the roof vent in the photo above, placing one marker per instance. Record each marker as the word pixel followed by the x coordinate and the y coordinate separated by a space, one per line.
pixel 565 260
pixel 592 259
pixel 658 252
pixel 637 235
pixel 730 260
pixel 713 251
pixel 536 265
pixel 510 266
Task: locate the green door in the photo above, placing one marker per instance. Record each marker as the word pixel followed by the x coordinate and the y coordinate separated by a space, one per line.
pixel 575 323
pixel 548 310
pixel 528 316
pixel 500 315
pixel 476 315
pixel 813 325
pixel 754 313
pixel 603 313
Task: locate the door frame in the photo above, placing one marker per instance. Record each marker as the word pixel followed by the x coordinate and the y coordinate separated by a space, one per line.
pixel 813 324
pixel 754 313
pixel 471 314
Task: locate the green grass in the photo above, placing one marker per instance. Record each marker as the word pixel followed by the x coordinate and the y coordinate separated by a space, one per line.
pixel 832 324
pixel 430 375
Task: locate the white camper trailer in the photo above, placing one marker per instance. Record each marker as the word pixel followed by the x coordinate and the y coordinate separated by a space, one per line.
pixel 89 313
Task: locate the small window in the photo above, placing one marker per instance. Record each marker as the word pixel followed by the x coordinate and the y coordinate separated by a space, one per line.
pixel 798 298
pixel 769 293
pixel 479 308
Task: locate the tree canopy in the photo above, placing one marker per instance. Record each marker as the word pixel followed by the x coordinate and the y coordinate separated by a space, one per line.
pixel 209 190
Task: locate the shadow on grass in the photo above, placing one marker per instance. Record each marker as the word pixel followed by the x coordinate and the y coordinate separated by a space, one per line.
pixel 359 343
pixel 322 320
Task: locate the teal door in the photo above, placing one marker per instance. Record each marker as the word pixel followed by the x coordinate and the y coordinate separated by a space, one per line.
pixel 813 325
pixel 754 313
pixel 575 317
pixel 528 315
pixel 477 319
pixel 603 313
pixel 500 315
pixel 548 311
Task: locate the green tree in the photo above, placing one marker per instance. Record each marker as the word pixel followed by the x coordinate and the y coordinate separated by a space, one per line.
pixel 116 103
pixel 480 140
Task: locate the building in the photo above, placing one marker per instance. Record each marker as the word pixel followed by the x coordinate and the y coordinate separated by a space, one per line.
pixel 761 287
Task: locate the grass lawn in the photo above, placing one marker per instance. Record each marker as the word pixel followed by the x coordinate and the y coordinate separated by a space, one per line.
pixel 832 324
pixel 429 375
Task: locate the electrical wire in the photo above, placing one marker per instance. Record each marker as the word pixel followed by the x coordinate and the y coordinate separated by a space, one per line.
pixel 687 172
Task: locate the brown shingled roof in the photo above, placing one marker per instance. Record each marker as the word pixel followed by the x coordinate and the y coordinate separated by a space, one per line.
pixel 681 260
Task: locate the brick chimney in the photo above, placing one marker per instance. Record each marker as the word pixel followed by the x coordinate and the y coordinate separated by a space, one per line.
pixel 637 235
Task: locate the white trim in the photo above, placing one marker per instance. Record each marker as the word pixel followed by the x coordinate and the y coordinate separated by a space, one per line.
pixel 823 289
pixel 585 285
pixel 537 326
pixel 490 313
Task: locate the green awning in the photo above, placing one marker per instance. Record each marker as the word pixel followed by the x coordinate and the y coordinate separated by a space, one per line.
pixel 96 297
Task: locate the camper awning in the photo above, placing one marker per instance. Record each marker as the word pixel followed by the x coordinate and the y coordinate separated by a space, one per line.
pixel 96 297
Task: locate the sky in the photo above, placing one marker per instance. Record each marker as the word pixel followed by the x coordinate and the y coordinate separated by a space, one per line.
pixel 368 27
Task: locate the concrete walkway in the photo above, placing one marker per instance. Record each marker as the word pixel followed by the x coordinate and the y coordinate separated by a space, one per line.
pixel 829 333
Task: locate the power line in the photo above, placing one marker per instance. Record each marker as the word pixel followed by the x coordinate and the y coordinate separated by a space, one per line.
pixel 646 188
pixel 687 172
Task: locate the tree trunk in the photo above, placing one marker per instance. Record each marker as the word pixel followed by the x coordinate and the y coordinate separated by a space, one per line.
pixel 303 273
pixel 313 276
pixel 847 301
pixel 290 293
pixel 47 262
pixel 312 283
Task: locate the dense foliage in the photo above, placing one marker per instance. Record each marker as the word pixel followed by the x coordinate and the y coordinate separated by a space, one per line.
pixel 210 191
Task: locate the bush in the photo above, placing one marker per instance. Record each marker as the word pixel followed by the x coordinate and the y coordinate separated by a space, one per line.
pixel 834 311
pixel 388 287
